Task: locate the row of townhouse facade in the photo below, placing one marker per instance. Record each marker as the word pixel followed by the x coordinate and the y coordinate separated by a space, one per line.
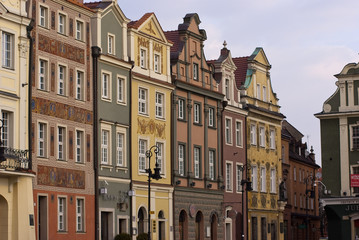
pixel 104 95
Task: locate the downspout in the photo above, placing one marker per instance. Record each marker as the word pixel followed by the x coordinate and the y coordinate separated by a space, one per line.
pixel 246 163
pixel 28 32
pixel 130 145
pixel 96 51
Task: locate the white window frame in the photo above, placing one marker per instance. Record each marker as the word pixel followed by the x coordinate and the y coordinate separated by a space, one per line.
pixel 121 89
pixel 160 105
pixel 79 30
pixel 161 157
pixel 43 19
pixel 42 139
pixel 272 138
pixel 8 50
pixel 295 174
pixel 106 83
pixel 181 109
pixel 255 178
pixel 227 88
pixel 43 74
pixel 258 91
pixel 211 161
pixel 181 159
pixel 142 101
pixel 80 85
pixel 197 113
pixel 273 177
pixel 211 117
pixel 61 138
pixel 253 134
pixel 143 58
pixel 197 162
pixel 261 136
pixel 62 25
pixel 195 71
pixel 119 149
pixel 61 213
pixel 239 134
pixel 61 79
pixel 79 146
pixel 264 97
pixel 7 128
pixel 80 214
pixel 142 148
pixel 111 44
pixel 239 177
pixel 354 137
pixel 157 62
pixel 228 130
pixel 229 176
pixel 106 145
pixel 263 177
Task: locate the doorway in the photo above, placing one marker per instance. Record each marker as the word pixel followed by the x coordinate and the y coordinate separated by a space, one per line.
pixel 42 217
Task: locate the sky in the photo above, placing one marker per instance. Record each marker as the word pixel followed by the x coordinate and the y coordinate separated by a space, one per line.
pixel 306 42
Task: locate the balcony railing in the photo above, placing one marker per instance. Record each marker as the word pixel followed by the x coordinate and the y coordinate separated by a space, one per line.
pixel 14 159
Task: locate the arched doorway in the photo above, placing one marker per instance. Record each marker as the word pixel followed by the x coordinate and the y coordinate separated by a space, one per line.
pixel 142 220
pixel 161 226
pixel 3 218
pixel 214 225
pixel 199 226
pixel 183 225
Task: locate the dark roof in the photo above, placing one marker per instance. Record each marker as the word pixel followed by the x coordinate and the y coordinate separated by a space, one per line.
pixel 292 130
pixel 137 23
pixel 102 4
pixel 177 47
pixel 265 110
pixel 241 71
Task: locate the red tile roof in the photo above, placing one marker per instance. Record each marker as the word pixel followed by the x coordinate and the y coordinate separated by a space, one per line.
pixel 173 36
pixel 101 4
pixel 137 23
pixel 80 4
pixel 241 71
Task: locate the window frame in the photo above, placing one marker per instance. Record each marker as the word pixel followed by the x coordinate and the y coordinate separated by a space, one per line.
pixel 239 133
pixel 80 215
pixel 229 176
pixel 228 130
pixel 195 71
pixel 263 178
pixel 253 134
pixel 106 155
pixel 262 136
pixel 143 58
pixel 79 30
pixel 111 44
pixel 142 155
pixel 227 88
pixel 211 164
pixel 61 131
pixel 264 93
pixel 272 136
pixel 143 102
pixel 45 18
pixel 161 156
pixel 354 140
pixel 157 63
pixel 211 117
pixel 254 170
pixel 121 131
pixel 79 147
pixel 197 162
pixel 258 91
pixel 42 140
pixel 160 106
pixel 121 91
pixel 7 133
pixel 61 213
pixel 181 159
pixel 183 115
pixel 106 86
pixel 43 78
pixel 197 113
pixel 8 50
pixel 239 177
pixel 62 27
pixel 62 78
pixel 80 87
pixel 273 184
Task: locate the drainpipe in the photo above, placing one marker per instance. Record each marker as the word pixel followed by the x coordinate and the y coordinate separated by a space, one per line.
pixel 96 51
pixel 29 119
pixel 130 146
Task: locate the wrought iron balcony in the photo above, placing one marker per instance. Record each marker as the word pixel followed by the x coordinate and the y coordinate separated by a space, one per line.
pixel 14 159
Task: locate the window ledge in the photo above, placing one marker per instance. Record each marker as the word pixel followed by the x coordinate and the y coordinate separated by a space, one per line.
pixel 181 120
pixel 197 124
pixel 121 168
pixel 106 166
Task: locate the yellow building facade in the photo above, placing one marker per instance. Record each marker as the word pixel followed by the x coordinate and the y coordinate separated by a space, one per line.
pixel 265 212
pixel 150 120
pixel 16 195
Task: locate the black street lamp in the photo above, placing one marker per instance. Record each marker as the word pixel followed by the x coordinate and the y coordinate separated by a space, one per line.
pixel 248 185
pixel 156 175
pixel 309 193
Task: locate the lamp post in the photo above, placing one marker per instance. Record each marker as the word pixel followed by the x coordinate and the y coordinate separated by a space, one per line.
pixel 156 175
pixel 248 184
pixel 309 193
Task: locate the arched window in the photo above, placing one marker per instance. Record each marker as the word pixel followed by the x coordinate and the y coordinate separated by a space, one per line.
pixel 161 226
pixel 199 226
pixel 183 225
pixel 141 220
pixel 3 218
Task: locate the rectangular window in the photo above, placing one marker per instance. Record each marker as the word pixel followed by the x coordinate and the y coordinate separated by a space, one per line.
pixel 295 174
pixel 355 137
pixel 42 140
pixel 197 112
pixel 43 69
pixel 8 50
pixel 159 105
pixel 142 147
pixel 43 17
pixel 264 228
pixel 79 85
pixel 105 85
pixel 62 24
pixel 142 101
pixel 272 138
pixel 273 185
pixel 263 179
pixel 79 30
pixel 104 146
pixel 239 178
pixel 254 178
pixel 61 86
pixel 119 149
pixel 228 131
pixel 211 156
pixel 196 158
pixel 253 134
pixel 61 214
pixel 160 157
pixel 229 176
pixel 254 228
pixel 120 90
pixel 300 201
pixel 238 134
pixel 261 137
pixel 300 175
pixel 258 91
pixel 143 58
pixel 79 146
pixel 181 109
pixel 195 71
pixel 111 44
pixel 295 199
pixel 157 63
pixel 61 141
pixel 5 130
pixel 79 215
pixel 264 93
pixel 211 117
pixel 181 159
pixel 227 89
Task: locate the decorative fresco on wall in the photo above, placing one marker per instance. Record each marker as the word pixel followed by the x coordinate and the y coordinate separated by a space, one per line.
pixel 151 127
pixel 60 110
pixel 60 177
pixel 61 49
